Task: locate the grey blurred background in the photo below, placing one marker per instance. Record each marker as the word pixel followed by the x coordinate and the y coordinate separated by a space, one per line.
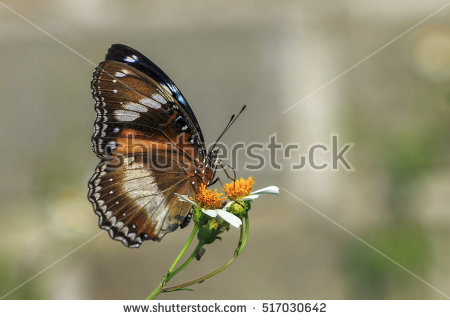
pixel 394 107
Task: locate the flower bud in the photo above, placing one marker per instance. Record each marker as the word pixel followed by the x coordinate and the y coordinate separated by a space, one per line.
pixel 238 208
pixel 208 232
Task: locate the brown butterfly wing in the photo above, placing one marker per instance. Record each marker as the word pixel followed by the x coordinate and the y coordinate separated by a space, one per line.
pixel 150 148
pixel 135 203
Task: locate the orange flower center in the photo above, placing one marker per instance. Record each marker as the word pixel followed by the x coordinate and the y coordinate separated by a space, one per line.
pixel 239 188
pixel 209 199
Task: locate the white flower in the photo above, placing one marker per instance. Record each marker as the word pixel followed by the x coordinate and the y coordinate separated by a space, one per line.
pixel 267 190
pixel 225 215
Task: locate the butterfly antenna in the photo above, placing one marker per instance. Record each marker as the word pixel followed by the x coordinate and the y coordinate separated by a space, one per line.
pixel 230 123
pixel 224 130
pixel 242 109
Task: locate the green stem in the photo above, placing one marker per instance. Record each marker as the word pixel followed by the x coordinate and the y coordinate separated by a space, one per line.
pixel 155 292
pixel 241 244
pixel 199 280
pixel 160 287
pixel 186 246
pixel 247 228
pixel 194 253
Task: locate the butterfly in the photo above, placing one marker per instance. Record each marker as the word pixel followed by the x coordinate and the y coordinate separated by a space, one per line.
pixel 150 147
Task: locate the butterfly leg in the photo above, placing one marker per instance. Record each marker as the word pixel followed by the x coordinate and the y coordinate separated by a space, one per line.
pixel 226 172
pixel 213 182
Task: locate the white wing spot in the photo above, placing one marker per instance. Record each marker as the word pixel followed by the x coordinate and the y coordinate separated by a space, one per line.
pixel 150 103
pixel 112 145
pixel 119 74
pixel 115 90
pixel 135 107
pixel 159 98
pixel 126 115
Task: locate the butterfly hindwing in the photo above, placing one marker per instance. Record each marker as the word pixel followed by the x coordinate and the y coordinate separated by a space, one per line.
pixel 135 204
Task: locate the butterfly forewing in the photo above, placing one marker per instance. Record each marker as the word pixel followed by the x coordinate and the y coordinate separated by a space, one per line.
pixel 133 58
pixel 150 146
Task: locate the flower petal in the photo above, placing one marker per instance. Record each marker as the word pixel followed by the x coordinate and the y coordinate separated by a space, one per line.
pixel 210 212
pixel 225 215
pixel 250 197
pixel 185 198
pixel 267 190
pixel 229 217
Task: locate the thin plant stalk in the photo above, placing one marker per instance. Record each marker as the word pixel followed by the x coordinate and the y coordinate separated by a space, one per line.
pixel 242 241
pixel 160 287
pixel 184 265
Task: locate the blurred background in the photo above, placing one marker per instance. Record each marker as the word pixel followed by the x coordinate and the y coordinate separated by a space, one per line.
pixel 394 107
